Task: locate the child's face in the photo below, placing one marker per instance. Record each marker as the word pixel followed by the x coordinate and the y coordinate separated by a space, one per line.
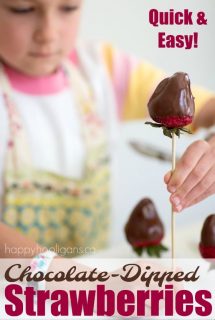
pixel 35 35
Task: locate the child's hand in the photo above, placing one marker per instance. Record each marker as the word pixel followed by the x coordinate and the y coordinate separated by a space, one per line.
pixel 194 177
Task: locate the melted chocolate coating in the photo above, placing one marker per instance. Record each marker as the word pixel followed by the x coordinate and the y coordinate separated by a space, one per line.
pixel 208 232
pixel 144 227
pixel 172 103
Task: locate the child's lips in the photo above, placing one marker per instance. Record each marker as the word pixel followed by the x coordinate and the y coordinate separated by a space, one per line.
pixel 43 54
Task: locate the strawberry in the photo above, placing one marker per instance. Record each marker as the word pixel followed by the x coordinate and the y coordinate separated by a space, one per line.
pixel 207 243
pixel 144 229
pixel 172 105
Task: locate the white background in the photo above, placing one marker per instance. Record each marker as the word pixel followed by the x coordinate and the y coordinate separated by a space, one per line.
pixel 125 24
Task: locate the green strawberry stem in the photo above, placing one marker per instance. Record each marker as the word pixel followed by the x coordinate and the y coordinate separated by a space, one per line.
pixel 168 132
pixel 152 251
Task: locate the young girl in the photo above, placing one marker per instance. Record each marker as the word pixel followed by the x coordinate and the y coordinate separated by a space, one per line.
pixel 59 105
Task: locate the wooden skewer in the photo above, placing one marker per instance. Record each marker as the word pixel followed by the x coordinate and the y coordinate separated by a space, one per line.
pixel 173 213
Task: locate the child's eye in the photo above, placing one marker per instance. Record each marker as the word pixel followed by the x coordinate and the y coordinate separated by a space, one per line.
pixel 69 8
pixel 21 10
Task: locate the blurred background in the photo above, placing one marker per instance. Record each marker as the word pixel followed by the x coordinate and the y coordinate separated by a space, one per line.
pixel 125 24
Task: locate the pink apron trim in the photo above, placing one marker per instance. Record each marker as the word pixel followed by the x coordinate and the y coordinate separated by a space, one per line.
pixel 50 84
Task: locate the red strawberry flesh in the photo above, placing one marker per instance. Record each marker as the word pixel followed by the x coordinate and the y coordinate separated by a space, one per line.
pixel 144 244
pixel 207 242
pixel 207 252
pixel 174 121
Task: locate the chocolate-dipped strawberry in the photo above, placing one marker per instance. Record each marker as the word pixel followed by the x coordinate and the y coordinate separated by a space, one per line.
pixel 172 105
pixel 144 229
pixel 207 242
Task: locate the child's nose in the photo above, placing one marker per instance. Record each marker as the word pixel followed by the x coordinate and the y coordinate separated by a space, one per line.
pixel 46 30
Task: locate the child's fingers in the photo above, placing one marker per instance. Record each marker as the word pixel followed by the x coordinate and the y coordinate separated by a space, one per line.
pixel 186 164
pixel 199 179
pixel 204 195
pixel 200 188
pixel 167 177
